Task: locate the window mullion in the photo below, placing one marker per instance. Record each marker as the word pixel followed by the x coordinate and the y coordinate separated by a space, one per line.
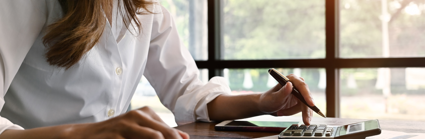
pixel 214 36
pixel 332 72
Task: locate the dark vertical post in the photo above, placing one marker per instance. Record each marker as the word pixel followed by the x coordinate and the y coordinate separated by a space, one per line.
pixel 332 44
pixel 214 34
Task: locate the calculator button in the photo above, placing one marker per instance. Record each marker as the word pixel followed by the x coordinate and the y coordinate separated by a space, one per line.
pixel 293 126
pixel 321 127
pixel 297 133
pixel 312 127
pixel 318 133
pixel 300 130
pixel 308 132
pixel 329 129
pixel 288 132
pixel 328 134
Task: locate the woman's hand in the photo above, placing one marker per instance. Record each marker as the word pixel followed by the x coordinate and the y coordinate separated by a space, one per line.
pixel 279 101
pixel 136 124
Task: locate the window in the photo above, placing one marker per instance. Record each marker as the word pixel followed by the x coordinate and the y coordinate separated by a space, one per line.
pixel 382 28
pixel 383 93
pixel 387 35
pixel 361 58
pixel 272 29
pixel 190 17
pixel 363 50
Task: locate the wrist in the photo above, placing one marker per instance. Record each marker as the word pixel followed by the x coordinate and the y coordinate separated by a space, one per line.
pixel 52 132
pixel 67 132
pixel 73 131
pixel 257 102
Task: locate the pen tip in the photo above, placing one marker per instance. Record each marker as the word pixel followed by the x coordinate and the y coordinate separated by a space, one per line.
pixel 321 114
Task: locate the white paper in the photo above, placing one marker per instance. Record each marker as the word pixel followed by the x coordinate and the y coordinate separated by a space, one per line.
pixel 397 135
pixel 384 135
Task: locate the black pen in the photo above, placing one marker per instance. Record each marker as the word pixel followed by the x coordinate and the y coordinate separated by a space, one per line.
pixel 283 80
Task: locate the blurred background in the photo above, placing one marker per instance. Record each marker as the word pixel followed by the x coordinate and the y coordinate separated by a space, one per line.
pixel 288 29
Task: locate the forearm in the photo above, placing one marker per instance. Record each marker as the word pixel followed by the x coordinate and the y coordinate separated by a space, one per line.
pixel 226 107
pixel 53 132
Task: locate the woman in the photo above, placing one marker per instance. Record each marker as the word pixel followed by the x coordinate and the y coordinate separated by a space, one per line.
pixel 70 67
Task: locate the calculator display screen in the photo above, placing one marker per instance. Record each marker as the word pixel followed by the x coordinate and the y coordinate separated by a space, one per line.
pixel 358 127
pixel 355 127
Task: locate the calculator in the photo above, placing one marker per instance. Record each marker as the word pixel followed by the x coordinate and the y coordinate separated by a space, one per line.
pixel 359 130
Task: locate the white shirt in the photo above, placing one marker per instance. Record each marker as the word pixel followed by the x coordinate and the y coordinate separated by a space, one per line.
pixel 101 84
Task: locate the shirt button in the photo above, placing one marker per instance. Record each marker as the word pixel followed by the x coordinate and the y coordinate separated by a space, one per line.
pixel 118 71
pixel 111 112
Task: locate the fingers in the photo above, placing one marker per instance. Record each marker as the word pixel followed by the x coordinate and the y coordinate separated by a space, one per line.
pixel 184 135
pixel 274 99
pixel 148 133
pixel 307 113
pixel 143 133
pixel 277 87
pixel 302 88
pixel 142 123
pixel 145 117
pixel 302 78
pixel 151 113
pixel 285 90
pixel 291 110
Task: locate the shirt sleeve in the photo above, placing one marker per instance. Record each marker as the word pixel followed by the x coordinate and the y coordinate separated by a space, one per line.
pixel 20 23
pixel 173 73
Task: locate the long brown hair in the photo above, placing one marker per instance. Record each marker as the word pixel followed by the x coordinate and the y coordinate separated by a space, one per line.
pixel 82 25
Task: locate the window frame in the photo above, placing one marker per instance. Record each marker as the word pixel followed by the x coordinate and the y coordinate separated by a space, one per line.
pixel 332 62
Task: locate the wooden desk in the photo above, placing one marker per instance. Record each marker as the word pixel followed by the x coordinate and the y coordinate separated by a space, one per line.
pixel 201 130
